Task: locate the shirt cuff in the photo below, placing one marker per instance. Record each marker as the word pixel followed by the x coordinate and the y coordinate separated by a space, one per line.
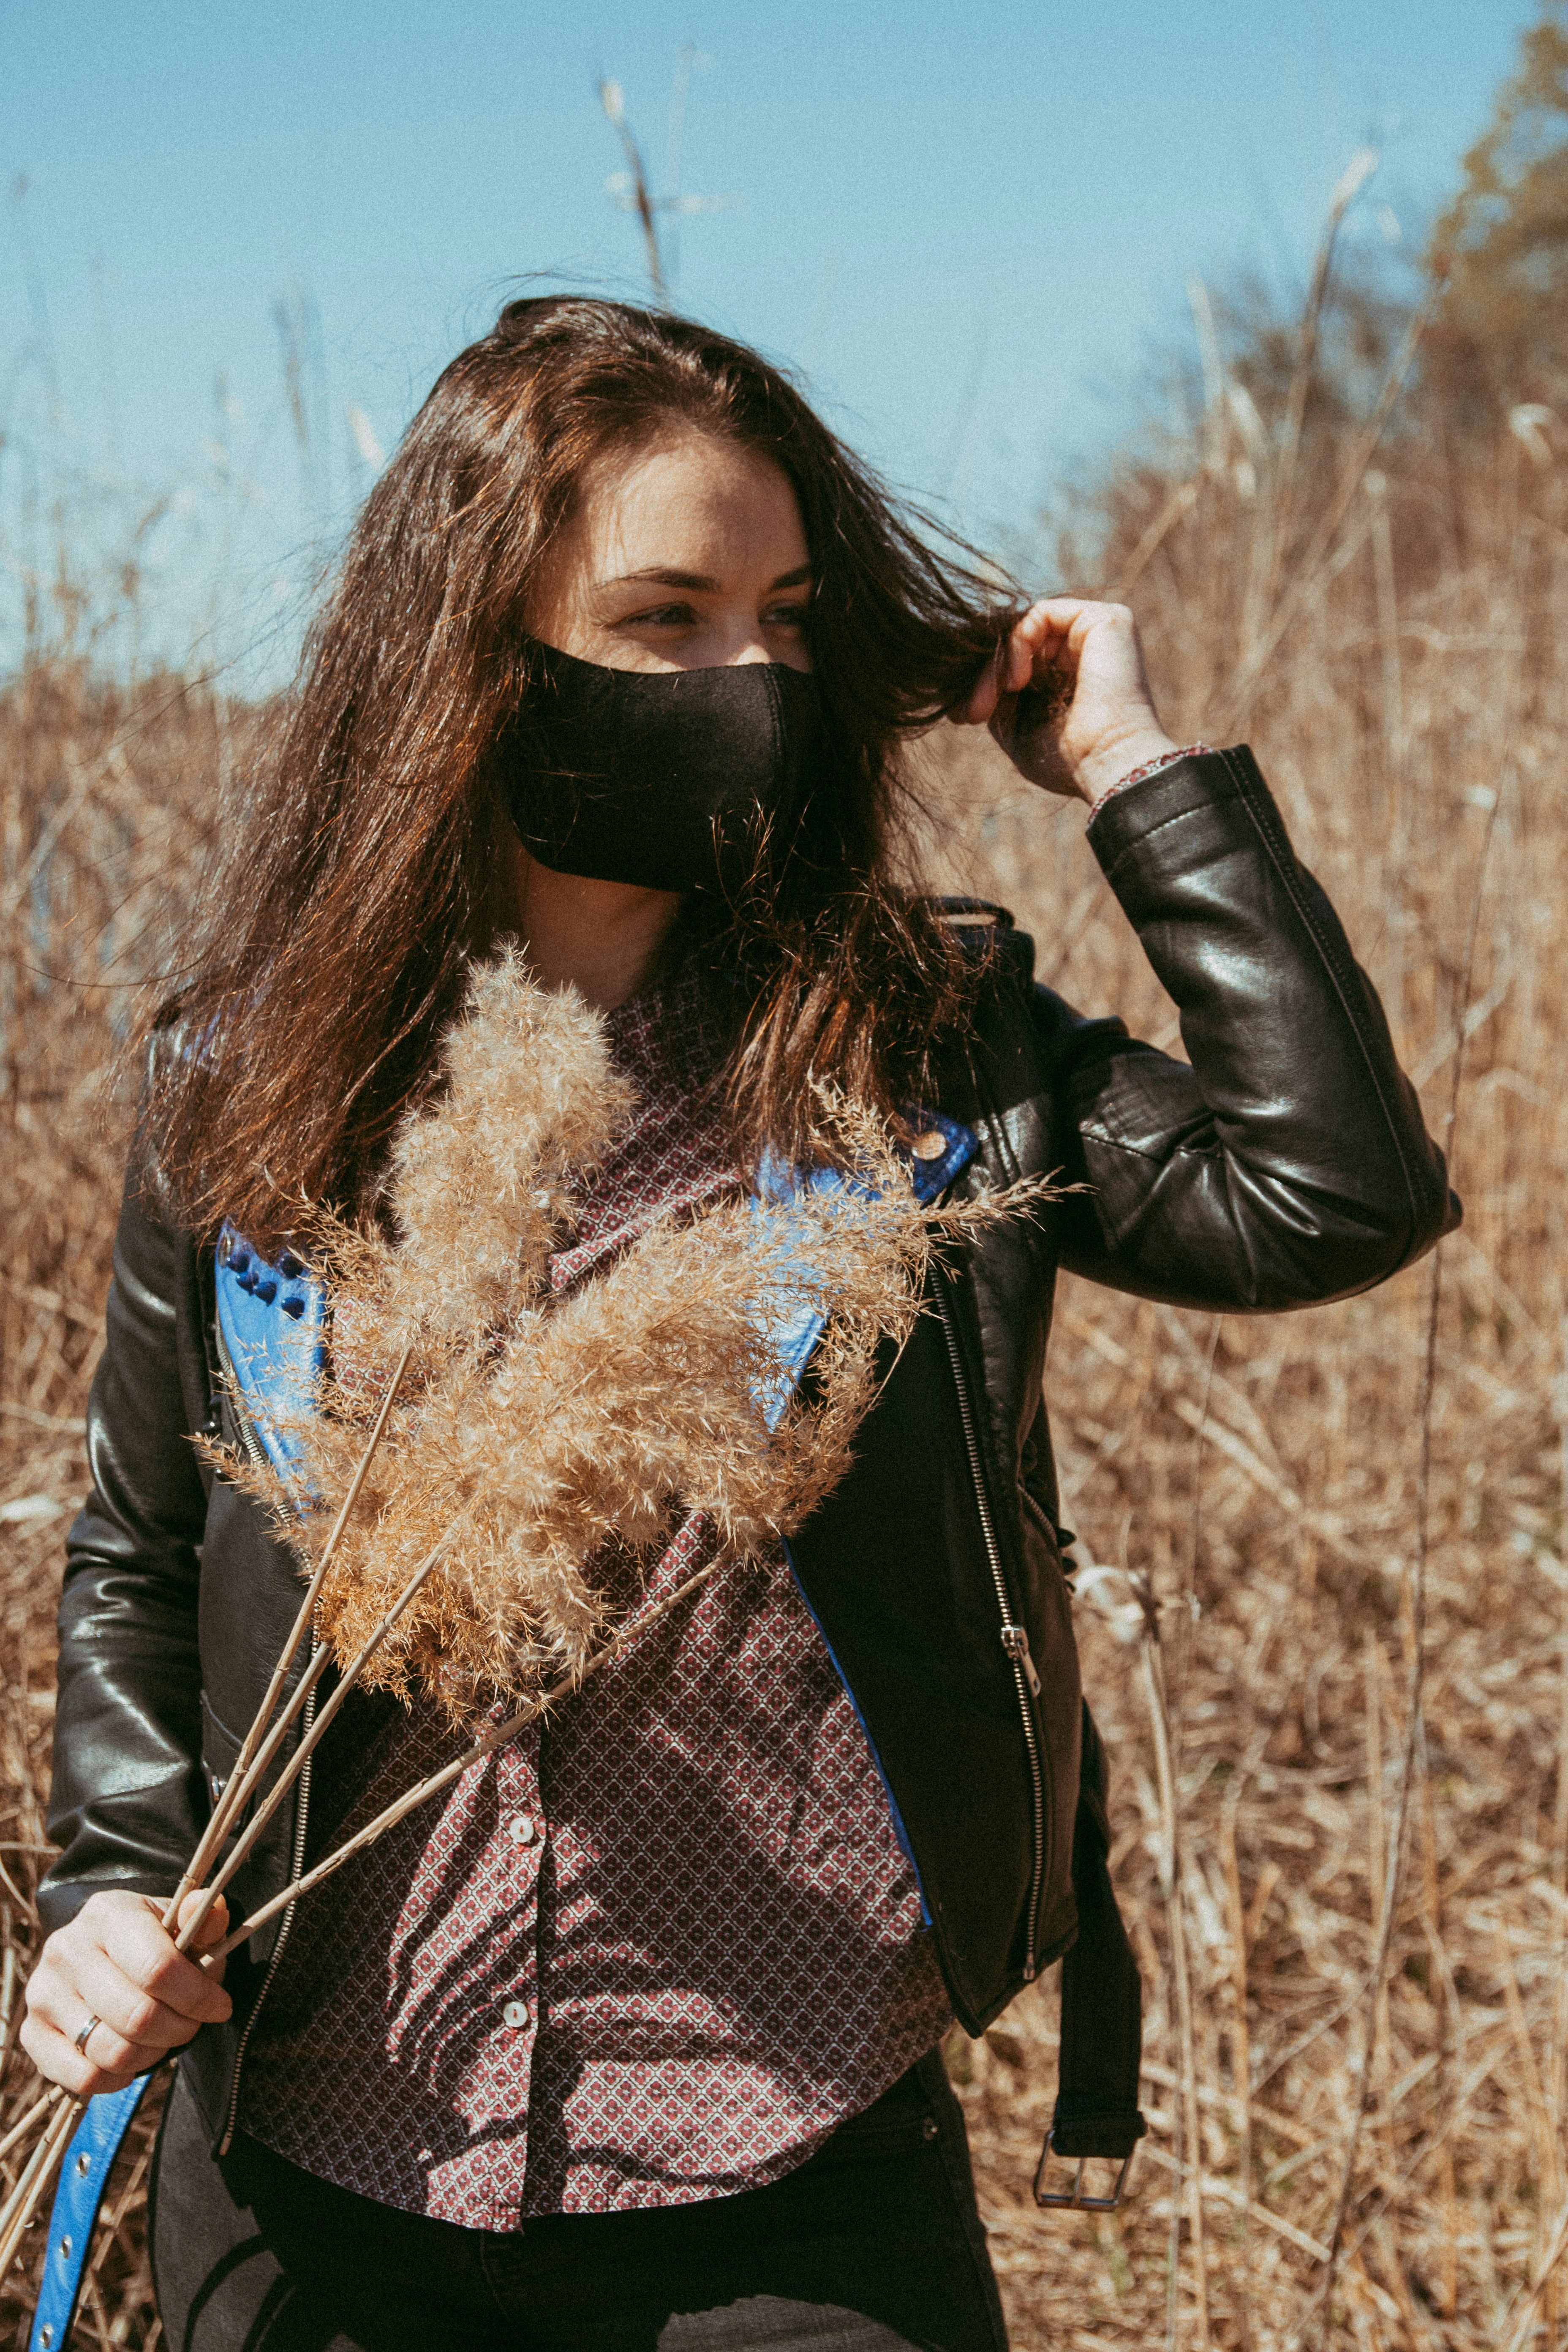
pixel 1140 775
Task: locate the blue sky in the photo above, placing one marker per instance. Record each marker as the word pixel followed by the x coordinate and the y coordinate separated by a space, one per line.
pixel 968 225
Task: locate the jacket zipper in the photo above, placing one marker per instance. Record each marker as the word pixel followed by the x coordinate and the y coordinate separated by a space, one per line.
pixel 1015 1637
pixel 301 1794
pixel 237 1404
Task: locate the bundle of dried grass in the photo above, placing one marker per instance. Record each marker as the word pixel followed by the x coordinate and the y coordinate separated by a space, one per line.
pixel 546 1428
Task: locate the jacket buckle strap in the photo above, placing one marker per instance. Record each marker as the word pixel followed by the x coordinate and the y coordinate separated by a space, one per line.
pixel 1097 2116
pixel 1075 2202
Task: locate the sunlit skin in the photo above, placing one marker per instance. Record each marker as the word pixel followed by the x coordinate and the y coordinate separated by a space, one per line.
pixel 690 555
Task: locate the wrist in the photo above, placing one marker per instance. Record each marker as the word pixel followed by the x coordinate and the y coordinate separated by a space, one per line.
pixel 1101 770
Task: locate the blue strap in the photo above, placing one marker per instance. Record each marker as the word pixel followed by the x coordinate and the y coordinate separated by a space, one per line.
pixel 84 2176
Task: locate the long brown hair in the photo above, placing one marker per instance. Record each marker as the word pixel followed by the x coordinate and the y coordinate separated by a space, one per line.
pixel 357 877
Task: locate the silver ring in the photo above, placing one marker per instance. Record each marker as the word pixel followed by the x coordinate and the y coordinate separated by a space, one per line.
pixel 85 2036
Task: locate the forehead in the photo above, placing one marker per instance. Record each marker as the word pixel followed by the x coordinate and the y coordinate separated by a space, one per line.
pixel 686 486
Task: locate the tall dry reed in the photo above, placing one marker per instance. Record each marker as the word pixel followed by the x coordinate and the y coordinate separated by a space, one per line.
pixel 106 799
pixel 1352 1922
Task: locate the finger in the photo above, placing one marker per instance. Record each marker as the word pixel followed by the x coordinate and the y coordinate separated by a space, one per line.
pixel 138 1948
pixel 108 2052
pixel 214 1927
pixel 1011 667
pixel 1050 636
pixel 1033 641
pixel 82 2019
pixel 56 2032
pixel 1111 625
pixel 102 1990
pixel 1047 637
pixel 58 2060
pixel 985 695
pixel 1064 613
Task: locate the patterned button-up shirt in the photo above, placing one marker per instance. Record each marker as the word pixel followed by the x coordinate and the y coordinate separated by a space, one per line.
pixel 656 1948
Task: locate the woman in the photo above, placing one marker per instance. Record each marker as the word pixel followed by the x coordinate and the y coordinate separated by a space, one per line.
pixel 633 2039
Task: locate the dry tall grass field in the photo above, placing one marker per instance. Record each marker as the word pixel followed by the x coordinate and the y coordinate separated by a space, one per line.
pixel 1324 1595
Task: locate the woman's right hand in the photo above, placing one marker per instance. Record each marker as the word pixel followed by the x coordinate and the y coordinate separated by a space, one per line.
pixel 114 1962
pixel 1100 722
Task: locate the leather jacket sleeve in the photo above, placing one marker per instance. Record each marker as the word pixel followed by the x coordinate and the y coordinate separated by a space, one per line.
pixel 1286 1163
pixel 127 1803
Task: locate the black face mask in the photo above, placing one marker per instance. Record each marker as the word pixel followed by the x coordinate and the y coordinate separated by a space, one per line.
pixel 677 780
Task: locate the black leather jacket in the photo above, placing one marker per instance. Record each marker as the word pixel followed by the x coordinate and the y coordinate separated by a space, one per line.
pixel 1286 1164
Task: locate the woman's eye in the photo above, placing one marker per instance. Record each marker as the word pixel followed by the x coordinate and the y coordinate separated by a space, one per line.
pixel 661 616
pixel 788 616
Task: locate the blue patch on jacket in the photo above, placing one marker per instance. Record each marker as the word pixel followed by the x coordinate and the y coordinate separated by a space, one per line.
pixel 271 1317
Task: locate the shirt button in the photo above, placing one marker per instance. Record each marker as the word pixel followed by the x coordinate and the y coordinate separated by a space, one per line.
pixel 515 2014
pixel 931 1145
pixel 522 1829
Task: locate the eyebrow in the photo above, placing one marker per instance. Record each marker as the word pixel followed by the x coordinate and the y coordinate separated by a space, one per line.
pixel 700 580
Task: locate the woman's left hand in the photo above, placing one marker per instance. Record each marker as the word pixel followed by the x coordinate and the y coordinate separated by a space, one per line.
pixel 1068 697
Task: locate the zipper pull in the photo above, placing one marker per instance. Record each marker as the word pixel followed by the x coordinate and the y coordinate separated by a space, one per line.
pixel 1016 1642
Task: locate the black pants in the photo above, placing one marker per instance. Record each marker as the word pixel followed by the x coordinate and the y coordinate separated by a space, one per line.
pixel 873 2243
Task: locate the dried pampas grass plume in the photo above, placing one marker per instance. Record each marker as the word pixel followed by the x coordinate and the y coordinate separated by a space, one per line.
pixel 546 1430
pixel 479 1183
